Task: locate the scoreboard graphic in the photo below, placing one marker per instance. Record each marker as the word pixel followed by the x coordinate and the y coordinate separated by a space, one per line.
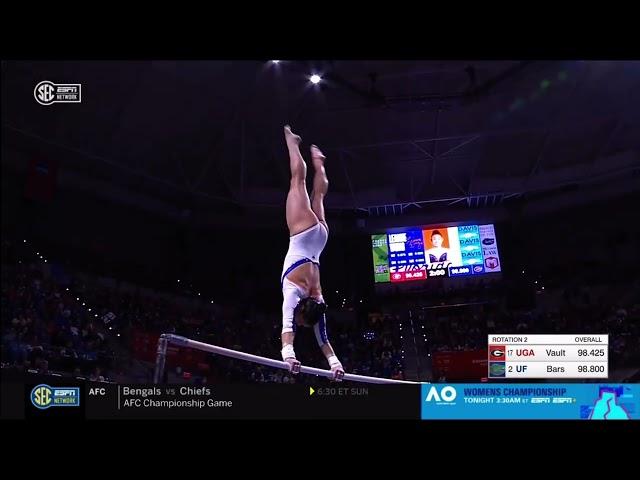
pixel 419 254
pixel 548 356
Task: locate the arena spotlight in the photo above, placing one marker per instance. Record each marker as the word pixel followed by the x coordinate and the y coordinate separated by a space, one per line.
pixel 315 79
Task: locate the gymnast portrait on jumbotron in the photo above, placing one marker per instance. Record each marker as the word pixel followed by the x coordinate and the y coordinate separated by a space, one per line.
pixel 438 252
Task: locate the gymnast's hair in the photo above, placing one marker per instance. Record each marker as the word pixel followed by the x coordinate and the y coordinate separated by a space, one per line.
pixel 311 310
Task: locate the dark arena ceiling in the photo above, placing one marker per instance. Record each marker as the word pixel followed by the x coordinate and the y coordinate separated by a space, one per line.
pixel 400 136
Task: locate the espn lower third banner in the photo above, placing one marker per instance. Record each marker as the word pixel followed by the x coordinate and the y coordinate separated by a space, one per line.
pixel 40 396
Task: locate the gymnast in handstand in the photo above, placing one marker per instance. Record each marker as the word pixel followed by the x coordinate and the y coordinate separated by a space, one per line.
pixel 303 304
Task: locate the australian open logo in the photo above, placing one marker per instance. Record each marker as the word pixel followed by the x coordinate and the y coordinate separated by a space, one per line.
pixel 48 93
pixel 443 396
pixel 43 396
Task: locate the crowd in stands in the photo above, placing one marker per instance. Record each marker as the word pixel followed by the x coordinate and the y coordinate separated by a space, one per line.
pixel 74 324
pixel 71 323
pixel 44 329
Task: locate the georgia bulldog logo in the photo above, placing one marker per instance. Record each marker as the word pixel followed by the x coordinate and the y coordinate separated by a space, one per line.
pixel 496 352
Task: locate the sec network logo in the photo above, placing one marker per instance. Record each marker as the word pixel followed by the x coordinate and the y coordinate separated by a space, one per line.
pixel 48 93
pixel 43 396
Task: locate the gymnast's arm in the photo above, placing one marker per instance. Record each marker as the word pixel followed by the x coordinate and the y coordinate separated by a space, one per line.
pixel 289 302
pixel 327 349
pixel 288 353
pixel 320 329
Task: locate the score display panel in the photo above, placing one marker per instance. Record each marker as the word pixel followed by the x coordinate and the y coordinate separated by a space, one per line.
pixel 420 253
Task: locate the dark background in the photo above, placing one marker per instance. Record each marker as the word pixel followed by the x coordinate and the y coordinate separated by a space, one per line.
pixel 168 169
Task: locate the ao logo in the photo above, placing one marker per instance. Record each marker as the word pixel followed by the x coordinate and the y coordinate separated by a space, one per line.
pixel 447 394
